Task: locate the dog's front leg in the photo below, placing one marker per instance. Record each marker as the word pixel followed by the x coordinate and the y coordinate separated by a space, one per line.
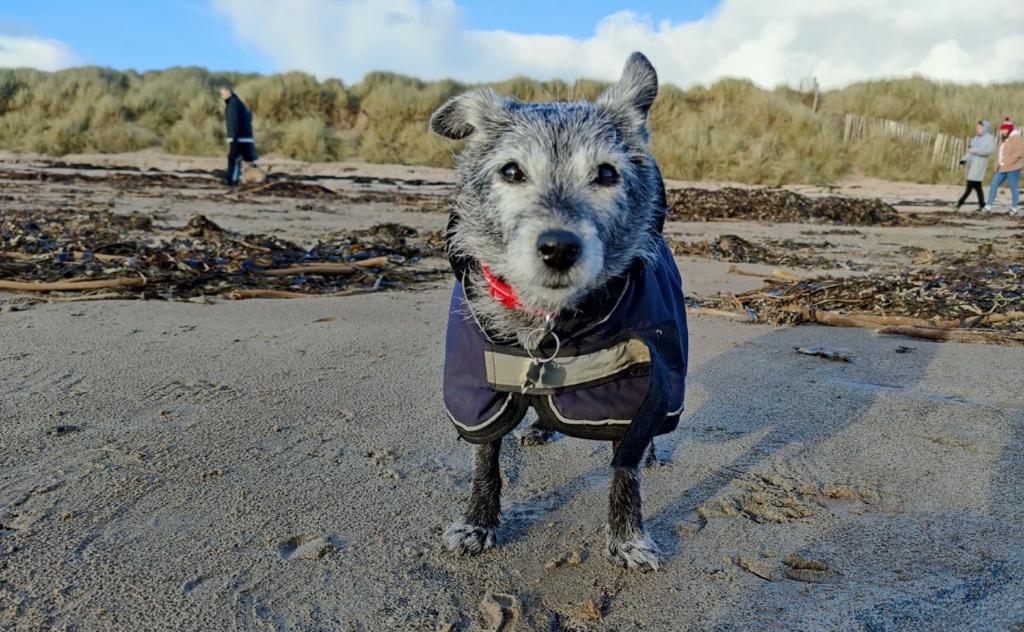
pixel 628 544
pixel 478 530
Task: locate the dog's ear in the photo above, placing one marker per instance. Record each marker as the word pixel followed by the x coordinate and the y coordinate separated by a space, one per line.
pixel 636 89
pixel 467 113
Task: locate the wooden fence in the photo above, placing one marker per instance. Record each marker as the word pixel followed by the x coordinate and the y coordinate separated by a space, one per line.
pixel 944 149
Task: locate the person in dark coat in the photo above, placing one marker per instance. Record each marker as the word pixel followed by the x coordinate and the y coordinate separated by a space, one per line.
pixel 241 144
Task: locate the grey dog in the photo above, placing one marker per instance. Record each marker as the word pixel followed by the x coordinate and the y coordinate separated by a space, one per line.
pixel 567 298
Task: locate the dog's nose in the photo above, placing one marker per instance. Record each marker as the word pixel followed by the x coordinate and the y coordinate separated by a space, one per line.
pixel 559 249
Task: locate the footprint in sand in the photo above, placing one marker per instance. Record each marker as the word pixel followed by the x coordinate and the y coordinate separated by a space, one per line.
pixel 303 547
pixel 189 586
pixel 502 612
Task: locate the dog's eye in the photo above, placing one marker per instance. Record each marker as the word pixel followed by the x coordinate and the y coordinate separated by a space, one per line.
pixel 606 175
pixel 512 173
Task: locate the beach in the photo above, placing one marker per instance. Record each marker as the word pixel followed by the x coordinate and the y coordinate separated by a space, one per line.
pixel 288 464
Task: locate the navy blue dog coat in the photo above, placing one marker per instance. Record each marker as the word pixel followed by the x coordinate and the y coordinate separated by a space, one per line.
pixel 618 372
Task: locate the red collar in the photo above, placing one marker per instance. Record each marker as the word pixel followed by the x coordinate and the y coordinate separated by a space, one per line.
pixel 504 294
pixel 500 291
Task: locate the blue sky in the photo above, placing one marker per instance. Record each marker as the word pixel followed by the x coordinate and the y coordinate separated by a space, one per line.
pixel 144 34
pixel 576 19
pixel 149 34
pixel 690 42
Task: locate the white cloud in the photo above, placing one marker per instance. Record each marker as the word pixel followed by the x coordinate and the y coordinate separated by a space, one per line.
pixel 35 52
pixel 771 43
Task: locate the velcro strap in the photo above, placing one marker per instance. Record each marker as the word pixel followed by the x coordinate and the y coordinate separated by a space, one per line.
pixel 652 410
pixel 511 372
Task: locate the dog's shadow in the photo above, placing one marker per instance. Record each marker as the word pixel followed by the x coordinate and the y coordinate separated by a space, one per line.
pixel 519 518
pixel 761 388
pixel 764 388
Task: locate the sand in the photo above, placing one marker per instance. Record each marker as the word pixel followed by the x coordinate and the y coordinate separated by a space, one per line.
pixel 287 465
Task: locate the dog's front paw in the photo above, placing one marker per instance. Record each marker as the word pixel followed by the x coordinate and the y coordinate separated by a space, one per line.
pixel 640 553
pixel 469 539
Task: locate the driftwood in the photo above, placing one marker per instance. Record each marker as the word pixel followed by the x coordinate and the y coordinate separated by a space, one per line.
pixel 72 285
pixel 836 319
pixel 937 330
pixel 244 294
pixel 201 258
pixel 782 275
pixel 941 331
pixel 86 297
pixel 261 293
pixel 242 242
pixel 81 284
pixel 287 186
pixel 956 335
pixel 708 311
pixel 327 268
pixel 833 319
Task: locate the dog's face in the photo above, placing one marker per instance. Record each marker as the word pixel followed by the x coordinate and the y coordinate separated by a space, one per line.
pixel 556 198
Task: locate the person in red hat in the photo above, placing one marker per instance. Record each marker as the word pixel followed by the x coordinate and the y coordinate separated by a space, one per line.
pixel 1009 162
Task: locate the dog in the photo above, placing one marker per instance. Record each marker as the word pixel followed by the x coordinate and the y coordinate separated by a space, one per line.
pixel 567 299
pixel 252 173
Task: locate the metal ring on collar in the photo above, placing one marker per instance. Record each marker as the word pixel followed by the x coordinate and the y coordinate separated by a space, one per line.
pixel 543 333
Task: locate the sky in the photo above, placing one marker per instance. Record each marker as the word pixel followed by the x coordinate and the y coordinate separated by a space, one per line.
pixel 689 41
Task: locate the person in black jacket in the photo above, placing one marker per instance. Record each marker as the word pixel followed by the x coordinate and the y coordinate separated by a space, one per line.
pixel 241 144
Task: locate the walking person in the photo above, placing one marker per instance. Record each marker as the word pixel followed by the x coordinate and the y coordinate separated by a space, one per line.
pixel 982 146
pixel 241 144
pixel 1010 161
